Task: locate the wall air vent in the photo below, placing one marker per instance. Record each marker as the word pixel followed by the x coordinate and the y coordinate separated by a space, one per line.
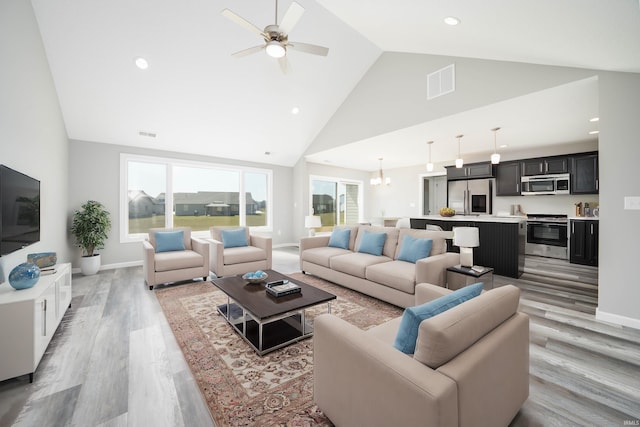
pixel 147 134
pixel 441 82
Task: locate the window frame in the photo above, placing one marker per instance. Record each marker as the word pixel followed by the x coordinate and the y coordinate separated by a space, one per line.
pixel 338 181
pixel 169 164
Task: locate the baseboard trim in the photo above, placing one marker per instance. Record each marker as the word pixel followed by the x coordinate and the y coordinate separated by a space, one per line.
pixel 112 266
pixel 617 319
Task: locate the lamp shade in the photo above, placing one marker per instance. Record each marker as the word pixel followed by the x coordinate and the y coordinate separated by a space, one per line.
pixel 312 221
pixel 466 237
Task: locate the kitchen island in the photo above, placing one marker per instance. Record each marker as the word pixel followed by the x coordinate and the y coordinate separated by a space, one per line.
pixel 502 239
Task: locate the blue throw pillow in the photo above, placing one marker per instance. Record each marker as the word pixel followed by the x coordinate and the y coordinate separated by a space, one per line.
pixel 340 238
pixel 167 241
pixel 413 249
pixel 413 316
pixel 234 238
pixel 372 243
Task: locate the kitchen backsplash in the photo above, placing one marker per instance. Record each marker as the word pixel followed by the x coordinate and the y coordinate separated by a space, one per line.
pixel 557 204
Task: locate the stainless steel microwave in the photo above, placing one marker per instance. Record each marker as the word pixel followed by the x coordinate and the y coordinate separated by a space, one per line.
pixel 545 184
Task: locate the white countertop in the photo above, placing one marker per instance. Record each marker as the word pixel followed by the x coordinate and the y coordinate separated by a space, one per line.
pixel 584 218
pixel 477 218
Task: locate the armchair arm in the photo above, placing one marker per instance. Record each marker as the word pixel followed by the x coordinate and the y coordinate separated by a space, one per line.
pixel 434 268
pixel 426 292
pixel 216 260
pixel 360 380
pixel 264 243
pixel 202 247
pixel 148 264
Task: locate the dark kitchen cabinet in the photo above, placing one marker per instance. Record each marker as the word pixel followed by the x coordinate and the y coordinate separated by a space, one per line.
pixel 583 242
pixel 584 174
pixel 470 171
pixel 544 166
pixel 508 179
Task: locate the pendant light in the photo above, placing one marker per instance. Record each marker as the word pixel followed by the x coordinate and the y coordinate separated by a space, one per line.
pixel 430 164
pixel 495 157
pixel 380 178
pixel 459 161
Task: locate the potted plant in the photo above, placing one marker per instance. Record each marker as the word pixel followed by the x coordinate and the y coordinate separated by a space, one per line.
pixel 90 226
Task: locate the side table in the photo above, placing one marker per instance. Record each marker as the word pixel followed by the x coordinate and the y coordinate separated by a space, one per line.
pixel 459 277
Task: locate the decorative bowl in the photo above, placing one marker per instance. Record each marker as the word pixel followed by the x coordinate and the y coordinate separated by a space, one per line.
pixel 24 276
pixel 255 276
pixel 447 212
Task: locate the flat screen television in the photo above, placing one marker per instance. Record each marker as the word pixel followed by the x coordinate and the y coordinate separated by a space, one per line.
pixel 19 210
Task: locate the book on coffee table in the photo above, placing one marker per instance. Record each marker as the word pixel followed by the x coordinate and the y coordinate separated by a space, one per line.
pixel 283 289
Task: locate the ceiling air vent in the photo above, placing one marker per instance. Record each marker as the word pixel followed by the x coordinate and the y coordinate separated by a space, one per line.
pixel 441 82
pixel 147 134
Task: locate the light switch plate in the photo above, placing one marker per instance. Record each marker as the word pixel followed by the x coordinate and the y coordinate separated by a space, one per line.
pixel 632 202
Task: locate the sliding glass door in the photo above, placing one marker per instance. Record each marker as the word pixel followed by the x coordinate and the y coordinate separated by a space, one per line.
pixel 335 201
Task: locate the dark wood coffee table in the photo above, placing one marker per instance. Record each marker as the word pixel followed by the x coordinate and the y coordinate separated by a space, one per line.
pixel 268 323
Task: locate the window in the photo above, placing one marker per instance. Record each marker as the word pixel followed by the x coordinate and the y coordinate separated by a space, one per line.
pixel 158 192
pixel 336 201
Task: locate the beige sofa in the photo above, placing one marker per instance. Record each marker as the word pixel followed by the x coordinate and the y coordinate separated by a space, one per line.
pixel 174 266
pixel 257 255
pixel 470 367
pixel 384 277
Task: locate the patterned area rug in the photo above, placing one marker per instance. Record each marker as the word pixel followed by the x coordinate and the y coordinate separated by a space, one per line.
pixel 240 387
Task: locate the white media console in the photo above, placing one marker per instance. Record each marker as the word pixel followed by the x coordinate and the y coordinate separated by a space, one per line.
pixel 28 320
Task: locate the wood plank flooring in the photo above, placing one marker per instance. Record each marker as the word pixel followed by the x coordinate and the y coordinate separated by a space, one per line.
pixel 115 362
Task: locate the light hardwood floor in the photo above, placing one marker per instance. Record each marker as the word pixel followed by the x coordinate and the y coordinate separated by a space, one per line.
pixel 115 362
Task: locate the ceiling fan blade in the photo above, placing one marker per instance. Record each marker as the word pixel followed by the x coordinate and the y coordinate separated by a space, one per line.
pixel 284 64
pixel 248 51
pixel 241 21
pixel 309 48
pixel 291 18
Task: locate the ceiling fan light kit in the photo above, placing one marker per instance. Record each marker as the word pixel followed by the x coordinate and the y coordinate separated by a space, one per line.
pixel 276 37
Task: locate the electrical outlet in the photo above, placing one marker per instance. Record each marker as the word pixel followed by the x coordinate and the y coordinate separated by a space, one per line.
pixel 632 203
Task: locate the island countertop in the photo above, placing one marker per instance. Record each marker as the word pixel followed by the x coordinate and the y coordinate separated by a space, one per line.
pixel 476 218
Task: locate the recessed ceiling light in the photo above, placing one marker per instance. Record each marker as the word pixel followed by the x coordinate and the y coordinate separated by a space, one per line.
pixel 142 63
pixel 594 132
pixel 594 119
pixel 295 110
pixel 451 20
pixel 267 153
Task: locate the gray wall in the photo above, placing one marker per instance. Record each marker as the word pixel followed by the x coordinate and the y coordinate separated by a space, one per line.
pixel 95 174
pixel 33 139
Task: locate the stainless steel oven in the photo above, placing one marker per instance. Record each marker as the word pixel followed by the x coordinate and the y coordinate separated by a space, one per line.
pixel 547 235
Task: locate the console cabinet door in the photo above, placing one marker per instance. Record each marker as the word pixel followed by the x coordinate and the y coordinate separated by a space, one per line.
pixel 508 179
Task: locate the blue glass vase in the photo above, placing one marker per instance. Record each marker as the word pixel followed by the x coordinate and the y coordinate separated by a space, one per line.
pixel 24 276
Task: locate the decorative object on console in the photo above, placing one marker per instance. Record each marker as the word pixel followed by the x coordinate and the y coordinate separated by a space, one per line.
pixel 495 157
pixel 43 259
pixel 466 238
pixel 90 226
pixel 459 161
pixel 311 222
pixel 24 276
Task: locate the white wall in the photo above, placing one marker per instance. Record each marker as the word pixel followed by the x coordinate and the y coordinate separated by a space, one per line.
pixel 33 139
pixel 95 175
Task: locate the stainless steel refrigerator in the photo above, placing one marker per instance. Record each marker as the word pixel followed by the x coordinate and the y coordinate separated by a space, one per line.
pixel 471 197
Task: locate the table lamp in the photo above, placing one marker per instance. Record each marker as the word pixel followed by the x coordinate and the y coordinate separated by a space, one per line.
pixel 311 222
pixel 466 238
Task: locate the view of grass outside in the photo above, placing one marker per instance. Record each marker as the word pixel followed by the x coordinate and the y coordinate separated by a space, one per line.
pixel 197 223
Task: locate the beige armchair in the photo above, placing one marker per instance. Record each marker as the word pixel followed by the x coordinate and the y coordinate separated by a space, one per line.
pixel 256 255
pixel 162 264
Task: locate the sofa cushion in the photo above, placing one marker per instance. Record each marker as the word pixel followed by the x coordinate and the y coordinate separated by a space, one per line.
pixel 391 242
pixel 356 263
pixel 185 230
pixel 177 260
pixel 372 243
pixel 438 245
pixel 413 316
pixel 242 254
pixel 216 232
pixel 413 249
pixel 167 241
pixel 233 238
pixel 340 238
pixel 443 337
pixel 322 255
pixel 398 275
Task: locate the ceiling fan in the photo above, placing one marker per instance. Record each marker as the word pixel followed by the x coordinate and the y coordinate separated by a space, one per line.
pixel 276 37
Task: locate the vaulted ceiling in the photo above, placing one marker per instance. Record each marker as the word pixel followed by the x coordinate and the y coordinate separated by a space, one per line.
pixel 196 98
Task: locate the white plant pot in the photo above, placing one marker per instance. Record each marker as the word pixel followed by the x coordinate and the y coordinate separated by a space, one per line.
pixel 89 265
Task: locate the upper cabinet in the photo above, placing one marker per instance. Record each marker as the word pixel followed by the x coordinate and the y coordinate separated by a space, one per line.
pixel 547 165
pixel 584 174
pixel 470 171
pixel 508 179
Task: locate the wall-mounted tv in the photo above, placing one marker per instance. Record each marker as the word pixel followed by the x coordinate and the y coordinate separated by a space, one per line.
pixel 19 210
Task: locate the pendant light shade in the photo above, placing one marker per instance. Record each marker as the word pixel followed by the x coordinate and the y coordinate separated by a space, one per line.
pixel 495 157
pixel 459 161
pixel 430 164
